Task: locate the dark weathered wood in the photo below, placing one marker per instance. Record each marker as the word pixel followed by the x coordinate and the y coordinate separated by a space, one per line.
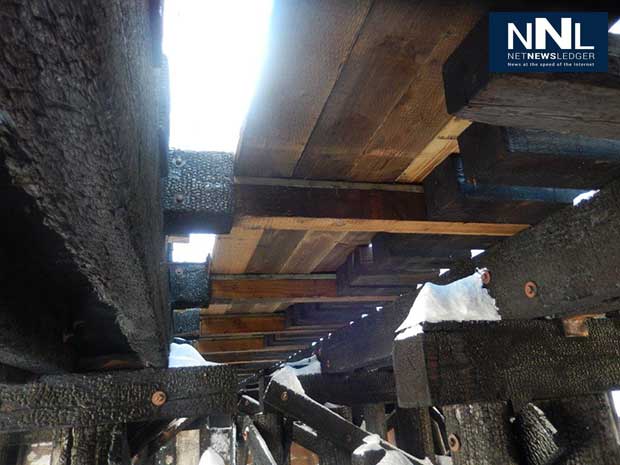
pixel 450 197
pixel 167 454
pixel 272 430
pixel 532 157
pixel 538 437
pixel 320 445
pixel 348 210
pixel 79 145
pixel 580 103
pixel 82 401
pixel 246 325
pixel 413 432
pixel 586 429
pixel 61 447
pixel 453 363
pixel 261 455
pixel 328 313
pixel 249 405
pixel 566 256
pixel 350 388
pixel 186 322
pixel 368 342
pixel 484 434
pixel 374 418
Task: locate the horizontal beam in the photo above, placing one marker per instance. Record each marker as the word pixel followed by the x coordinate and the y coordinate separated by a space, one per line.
pixel 579 103
pixel 242 346
pixel 350 389
pixel 249 289
pixel 516 361
pixel 63 401
pixel 318 184
pixel 229 325
pixel 348 210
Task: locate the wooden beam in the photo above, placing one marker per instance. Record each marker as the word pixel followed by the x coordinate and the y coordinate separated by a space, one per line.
pixel 350 388
pixel 233 252
pixel 579 103
pixel 239 346
pixel 284 288
pixel 531 157
pixel 255 324
pixel 296 82
pixel 320 184
pixel 58 401
pixel 519 361
pixel 261 455
pixel 338 210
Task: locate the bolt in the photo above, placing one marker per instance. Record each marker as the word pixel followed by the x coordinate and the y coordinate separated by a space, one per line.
pixel 486 277
pixel 284 396
pixel 179 271
pixel 245 434
pixel 178 162
pixel 454 442
pixel 179 198
pixel 159 398
pixel 531 289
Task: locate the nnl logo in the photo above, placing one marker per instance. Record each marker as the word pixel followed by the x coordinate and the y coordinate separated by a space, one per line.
pixel 543 28
pixel 547 42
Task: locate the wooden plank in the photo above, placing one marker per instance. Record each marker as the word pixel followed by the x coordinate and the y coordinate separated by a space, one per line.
pixel 579 103
pixel 394 44
pixel 296 81
pixel 58 401
pixel 273 251
pixel 436 151
pixel 233 252
pixel 311 251
pixel 258 324
pixel 532 157
pixel 514 360
pixel 321 184
pixel 342 249
pixel 308 289
pixel 350 388
pixel 242 346
pixel 261 455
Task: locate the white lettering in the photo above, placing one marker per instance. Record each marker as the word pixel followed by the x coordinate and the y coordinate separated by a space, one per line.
pixel 512 31
pixel 563 39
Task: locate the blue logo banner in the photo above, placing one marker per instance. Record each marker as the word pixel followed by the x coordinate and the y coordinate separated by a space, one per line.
pixel 547 42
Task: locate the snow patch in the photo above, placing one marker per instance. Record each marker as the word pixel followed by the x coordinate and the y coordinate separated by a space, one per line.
pixel 184 355
pixel 287 377
pixel 306 366
pixel 210 457
pixel 462 300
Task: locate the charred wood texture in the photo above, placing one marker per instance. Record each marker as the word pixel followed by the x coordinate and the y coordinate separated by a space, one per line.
pixel 85 401
pixel 412 428
pixel 455 363
pixel 481 434
pixel 189 285
pixel 79 171
pixel 272 429
pixel 261 455
pixel 351 388
pixel 577 103
pixel 532 157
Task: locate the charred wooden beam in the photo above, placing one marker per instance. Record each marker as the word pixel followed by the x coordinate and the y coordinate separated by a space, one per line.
pixel 451 197
pixel 254 344
pixel 329 313
pixel 350 388
pixel 198 196
pixel 368 342
pixel 189 285
pixel 519 361
pixel 85 189
pixel 347 210
pixel 558 267
pixel 374 418
pixel 261 454
pixel 579 103
pixel 532 157
pixel 479 433
pixel 328 453
pixel 413 431
pixel 186 322
pixel 85 401
pixel 249 405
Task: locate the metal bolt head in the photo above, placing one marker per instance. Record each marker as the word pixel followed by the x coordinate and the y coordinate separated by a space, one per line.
pixel 159 398
pixel 179 198
pixel 284 396
pixel 245 434
pixel 486 277
pixel 530 289
pixel 454 443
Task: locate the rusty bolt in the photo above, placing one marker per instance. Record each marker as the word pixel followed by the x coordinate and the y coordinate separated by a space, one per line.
pixel 159 398
pixel 284 396
pixel 531 289
pixel 245 434
pixel 454 442
pixel 486 277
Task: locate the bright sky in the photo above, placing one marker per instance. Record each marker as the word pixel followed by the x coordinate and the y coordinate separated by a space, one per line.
pixel 215 50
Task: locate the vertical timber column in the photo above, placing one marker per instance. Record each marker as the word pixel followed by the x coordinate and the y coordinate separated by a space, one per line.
pixel 331 454
pixel 271 428
pixel 374 414
pixel 481 434
pixel 413 430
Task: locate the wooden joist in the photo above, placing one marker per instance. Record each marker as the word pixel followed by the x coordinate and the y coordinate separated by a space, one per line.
pixel 579 103
pixel 256 324
pixel 250 289
pixel 85 401
pixel 351 388
pixel 349 210
pixel 532 157
pixel 256 344
pixel 520 361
